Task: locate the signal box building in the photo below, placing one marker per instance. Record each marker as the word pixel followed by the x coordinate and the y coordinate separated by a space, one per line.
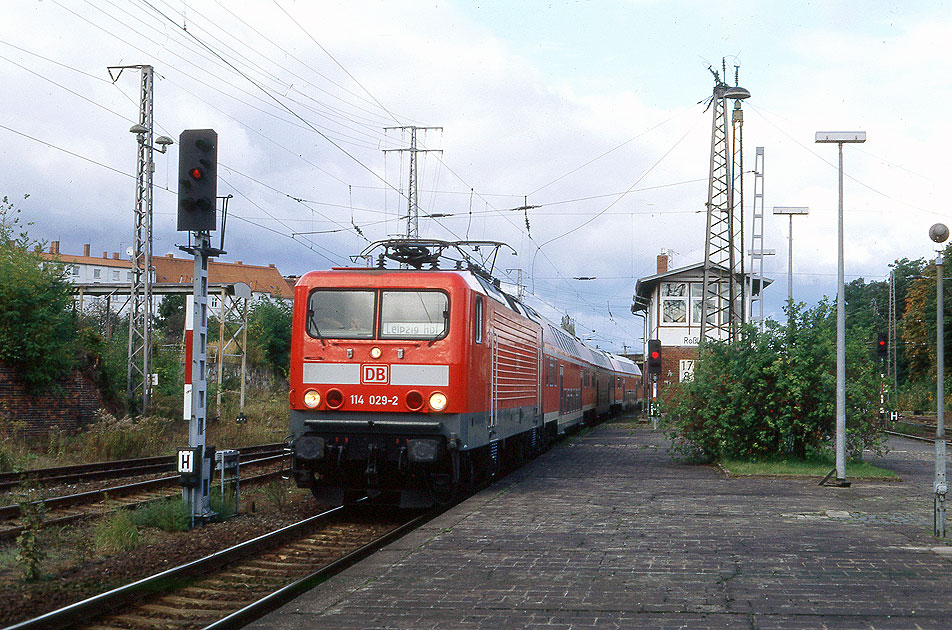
pixel 671 303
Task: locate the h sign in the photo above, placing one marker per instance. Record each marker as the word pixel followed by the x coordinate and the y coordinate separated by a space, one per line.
pixel 379 374
pixel 186 461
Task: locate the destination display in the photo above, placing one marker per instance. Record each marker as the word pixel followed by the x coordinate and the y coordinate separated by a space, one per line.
pixel 412 329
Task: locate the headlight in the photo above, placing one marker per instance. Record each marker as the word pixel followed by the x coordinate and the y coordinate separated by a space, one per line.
pixel 437 401
pixel 335 399
pixel 375 352
pixel 423 450
pixel 311 398
pixel 414 400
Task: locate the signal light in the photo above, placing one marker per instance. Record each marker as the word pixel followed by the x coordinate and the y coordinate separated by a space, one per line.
pixel 654 356
pixel 882 345
pixel 198 180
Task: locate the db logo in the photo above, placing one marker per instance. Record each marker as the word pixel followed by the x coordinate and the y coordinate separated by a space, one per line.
pixel 375 374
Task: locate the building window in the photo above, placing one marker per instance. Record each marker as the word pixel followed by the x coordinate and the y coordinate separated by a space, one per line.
pixel 97 274
pixel 128 276
pixel 115 275
pixel 74 270
pixel 697 297
pixel 674 302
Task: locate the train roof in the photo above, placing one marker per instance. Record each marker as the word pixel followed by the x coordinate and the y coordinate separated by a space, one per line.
pixel 623 365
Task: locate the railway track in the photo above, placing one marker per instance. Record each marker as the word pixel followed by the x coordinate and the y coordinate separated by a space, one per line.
pixel 118 468
pixel 232 587
pixel 70 508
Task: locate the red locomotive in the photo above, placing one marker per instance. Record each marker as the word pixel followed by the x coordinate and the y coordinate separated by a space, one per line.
pixel 416 383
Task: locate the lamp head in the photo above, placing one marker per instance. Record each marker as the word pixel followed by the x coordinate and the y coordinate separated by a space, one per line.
pixel 939 233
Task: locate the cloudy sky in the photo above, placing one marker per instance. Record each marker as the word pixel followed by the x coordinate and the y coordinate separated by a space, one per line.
pixel 592 111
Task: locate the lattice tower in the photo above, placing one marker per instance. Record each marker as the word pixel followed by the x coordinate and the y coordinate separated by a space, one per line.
pixel 722 297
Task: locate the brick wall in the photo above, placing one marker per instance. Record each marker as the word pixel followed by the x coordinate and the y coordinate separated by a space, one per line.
pixel 671 362
pixel 67 407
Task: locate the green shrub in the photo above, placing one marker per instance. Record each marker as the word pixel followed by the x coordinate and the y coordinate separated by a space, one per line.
pixel 773 392
pixel 116 532
pixel 37 331
pixel 169 515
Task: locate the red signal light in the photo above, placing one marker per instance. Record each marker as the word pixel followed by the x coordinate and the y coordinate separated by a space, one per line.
pixel 882 343
pixel 655 354
pixel 196 173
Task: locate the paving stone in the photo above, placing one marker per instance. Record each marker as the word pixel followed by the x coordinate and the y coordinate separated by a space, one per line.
pixel 607 530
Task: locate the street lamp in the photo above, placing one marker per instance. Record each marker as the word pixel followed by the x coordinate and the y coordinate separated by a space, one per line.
pixel 840 138
pixel 939 233
pixel 790 210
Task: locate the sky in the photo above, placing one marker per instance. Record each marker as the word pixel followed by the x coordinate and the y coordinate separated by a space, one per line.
pixel 593 114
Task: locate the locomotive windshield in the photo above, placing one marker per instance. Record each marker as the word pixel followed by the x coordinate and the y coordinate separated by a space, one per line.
pixel 351 313
pixel 413 314
pixel 341 314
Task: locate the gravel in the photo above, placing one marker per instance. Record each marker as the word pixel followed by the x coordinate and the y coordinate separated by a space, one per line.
pixel 73 570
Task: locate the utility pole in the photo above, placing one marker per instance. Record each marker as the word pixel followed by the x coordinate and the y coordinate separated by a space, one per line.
pixel 413 203
pixel 139 362
pixel 892 341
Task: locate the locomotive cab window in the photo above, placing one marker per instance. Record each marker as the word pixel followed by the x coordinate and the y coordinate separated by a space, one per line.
pixel 414 314
pixel 478 320
pixel 341 314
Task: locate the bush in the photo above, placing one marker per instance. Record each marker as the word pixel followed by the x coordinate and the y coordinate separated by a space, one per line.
pixel 774 392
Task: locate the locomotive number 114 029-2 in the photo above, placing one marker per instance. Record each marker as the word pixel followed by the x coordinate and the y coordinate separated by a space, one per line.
pixel 375 399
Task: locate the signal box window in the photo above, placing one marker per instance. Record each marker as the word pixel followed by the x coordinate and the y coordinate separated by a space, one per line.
pixel 413 314
pixel 341 314
pixel 674 302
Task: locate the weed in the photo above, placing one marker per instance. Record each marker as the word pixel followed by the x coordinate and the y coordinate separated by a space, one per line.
pixel 278 493
pixel 123 438
pixel 223 506
pixel 169 515
pixel 116 532
pixel 30 553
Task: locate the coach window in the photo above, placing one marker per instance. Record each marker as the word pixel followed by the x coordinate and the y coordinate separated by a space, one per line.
pixel 674 302
pixel 478 320
pixel 341 314
pixel 414 314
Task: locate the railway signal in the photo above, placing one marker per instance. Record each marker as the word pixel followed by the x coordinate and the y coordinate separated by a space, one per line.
pixel 198 180
pixel 882 345
pixel 654 356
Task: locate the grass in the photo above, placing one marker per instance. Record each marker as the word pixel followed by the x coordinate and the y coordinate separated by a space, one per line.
pixel 107 438
pixel 817 466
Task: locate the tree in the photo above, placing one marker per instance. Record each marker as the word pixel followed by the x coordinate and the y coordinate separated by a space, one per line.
pixel 269 335
pixel 37 329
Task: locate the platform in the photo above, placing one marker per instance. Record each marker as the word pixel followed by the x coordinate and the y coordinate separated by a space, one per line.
pixel 606 530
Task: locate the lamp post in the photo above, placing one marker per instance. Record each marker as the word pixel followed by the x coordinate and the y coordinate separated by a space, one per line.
pixel 840 138
pixel 790 211
pixel 939 233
